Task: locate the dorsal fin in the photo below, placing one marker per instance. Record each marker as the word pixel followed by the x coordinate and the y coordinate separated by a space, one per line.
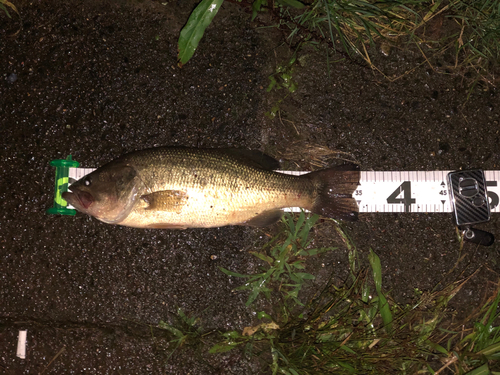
pixel 254 158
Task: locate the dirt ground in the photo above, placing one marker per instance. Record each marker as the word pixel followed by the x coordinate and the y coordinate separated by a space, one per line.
pixel 96 79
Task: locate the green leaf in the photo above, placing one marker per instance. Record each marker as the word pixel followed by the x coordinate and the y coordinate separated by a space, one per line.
pixel 313 251
pixel 195 27
pixel 292 87
pixel 347 349
pixel 483 370
pixel 304 233
pixel 429 368
pixel 385 310
pixel 365 293
pixel 256 7
pixel 377 270
pixel 437 347
pixel 232 334
pixel 347 366
pixel 272 84
pixel 298 264
pixel 252 297
pixel 302 216
pixel 171 329
pixel 490 350
pixel 293 3
pixel 5 10
pixel 10 5
pixel 222 347
pixel 264 257
pixel 262 314
pixel 231 273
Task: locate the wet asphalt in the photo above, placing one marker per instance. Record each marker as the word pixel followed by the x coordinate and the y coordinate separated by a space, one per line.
pixel 98 79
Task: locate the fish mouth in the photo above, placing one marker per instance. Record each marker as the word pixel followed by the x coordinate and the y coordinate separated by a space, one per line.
pixel 78 199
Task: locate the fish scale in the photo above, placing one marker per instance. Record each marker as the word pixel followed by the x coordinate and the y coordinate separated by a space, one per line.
pixel 220 191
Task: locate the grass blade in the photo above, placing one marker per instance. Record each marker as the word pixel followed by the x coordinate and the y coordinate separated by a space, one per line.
pixel 492 350
pixel 385 310
pixel 231 273
pixel 483 370
pixel 293 3
pixel 10 5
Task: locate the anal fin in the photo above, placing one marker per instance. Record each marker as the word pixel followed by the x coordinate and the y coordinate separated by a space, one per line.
pixel 165 226
pixel 264 219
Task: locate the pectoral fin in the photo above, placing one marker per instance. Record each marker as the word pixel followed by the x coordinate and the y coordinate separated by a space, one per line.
pixel 264 219
pixel 166 200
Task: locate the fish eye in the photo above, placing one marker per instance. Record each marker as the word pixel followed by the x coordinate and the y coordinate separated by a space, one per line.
pixel 87 181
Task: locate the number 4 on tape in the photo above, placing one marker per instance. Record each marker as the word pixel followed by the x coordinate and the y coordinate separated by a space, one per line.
pixel 412 191
pixel 403 190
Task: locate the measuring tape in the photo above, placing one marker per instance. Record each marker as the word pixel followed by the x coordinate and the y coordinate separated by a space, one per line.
pixel 378 192
pixel 398 191
pixel 414 191
pixel 403 191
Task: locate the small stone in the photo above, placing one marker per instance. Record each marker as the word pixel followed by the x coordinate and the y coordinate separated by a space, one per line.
pixel 443 148
pixel 11 78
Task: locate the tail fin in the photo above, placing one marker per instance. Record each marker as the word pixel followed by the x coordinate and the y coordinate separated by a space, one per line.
pixel 335 187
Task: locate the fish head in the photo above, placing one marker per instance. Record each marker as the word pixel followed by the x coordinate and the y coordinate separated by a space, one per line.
pixel 109 193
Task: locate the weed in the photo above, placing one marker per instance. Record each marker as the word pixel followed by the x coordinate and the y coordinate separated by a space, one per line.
pixel 480 28
pixel 5 4
pixel 185 331
pixel 479 351
pixel 357 25
pixel 347 329
pixel 282 79
pixel 202 17
pixel 351 328
pixel 477 47
pixel 285 261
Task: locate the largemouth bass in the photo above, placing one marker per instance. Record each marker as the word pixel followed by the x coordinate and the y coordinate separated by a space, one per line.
pixel 180 188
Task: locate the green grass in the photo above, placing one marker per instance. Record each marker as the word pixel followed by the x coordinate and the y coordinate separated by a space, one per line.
pixel 356 327
pixel 477 45
pixel 7 8
pixel 185 331
pixel 285 261
pixel 5 5
pixel 351 328
pixel 360 25
pixel 356 23
pixel 359 28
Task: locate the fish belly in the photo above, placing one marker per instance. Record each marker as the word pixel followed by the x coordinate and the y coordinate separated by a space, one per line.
pixel 215 206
